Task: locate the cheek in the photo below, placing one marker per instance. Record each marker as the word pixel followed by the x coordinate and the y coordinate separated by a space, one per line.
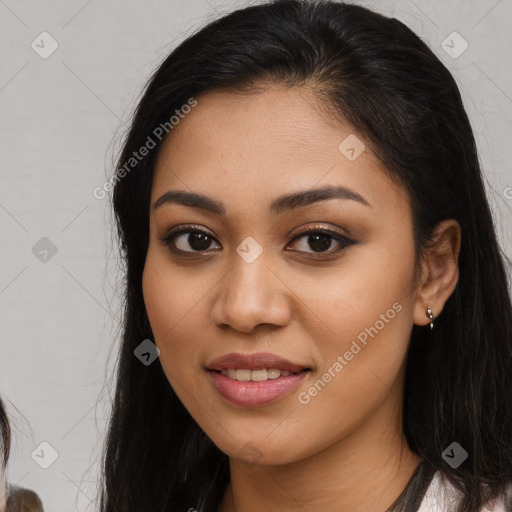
pixel 362 293
pixel 175 301
pixel 175 305
pixel 367 314
pixel 170 294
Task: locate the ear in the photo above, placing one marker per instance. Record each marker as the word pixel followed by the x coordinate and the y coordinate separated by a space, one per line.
pixel 439 272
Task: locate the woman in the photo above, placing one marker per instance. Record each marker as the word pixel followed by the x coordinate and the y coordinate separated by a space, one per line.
pixel 309 245
pixel 12 497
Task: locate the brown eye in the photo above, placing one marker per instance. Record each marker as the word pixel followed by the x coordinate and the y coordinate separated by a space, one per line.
pixel 321 240
pixel 190 239
pixel 184 239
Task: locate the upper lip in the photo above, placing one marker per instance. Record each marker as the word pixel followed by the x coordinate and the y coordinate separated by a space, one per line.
pixel 255 361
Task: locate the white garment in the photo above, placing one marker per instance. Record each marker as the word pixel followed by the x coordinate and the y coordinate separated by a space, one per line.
pixel 441 496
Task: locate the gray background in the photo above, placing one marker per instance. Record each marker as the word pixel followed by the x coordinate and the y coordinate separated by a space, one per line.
pixel 62 119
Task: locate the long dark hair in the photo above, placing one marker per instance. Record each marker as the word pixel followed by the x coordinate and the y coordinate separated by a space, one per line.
pixel 375 73
pixel 5 436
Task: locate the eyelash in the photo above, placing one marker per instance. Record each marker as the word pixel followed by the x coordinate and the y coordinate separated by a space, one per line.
pixel 171 234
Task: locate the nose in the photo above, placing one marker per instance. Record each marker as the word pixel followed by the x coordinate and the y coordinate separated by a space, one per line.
pixel 251 294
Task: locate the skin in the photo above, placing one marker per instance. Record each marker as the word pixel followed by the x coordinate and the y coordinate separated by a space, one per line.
pixel 344 450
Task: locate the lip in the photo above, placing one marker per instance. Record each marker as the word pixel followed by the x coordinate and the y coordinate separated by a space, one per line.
pixel 255 361
pixel 253 393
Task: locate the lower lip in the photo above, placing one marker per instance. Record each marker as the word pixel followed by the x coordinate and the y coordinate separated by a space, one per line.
pixel 253 394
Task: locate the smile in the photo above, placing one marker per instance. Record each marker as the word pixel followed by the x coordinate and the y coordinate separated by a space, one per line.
pixel 245 375
pixel 254 388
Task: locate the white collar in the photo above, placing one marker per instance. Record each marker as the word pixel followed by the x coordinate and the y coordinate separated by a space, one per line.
pixel 441 496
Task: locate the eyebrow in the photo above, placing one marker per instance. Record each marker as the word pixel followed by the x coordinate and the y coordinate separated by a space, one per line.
pixel 280 205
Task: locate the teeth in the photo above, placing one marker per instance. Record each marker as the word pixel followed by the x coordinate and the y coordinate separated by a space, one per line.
pixel 273 373
pixel 245 375
pixel 258 375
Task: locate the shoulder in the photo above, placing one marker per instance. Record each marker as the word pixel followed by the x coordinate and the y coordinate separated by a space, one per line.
pixel 441 496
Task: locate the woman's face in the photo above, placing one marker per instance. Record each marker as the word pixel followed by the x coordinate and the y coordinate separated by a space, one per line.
pixel 340 310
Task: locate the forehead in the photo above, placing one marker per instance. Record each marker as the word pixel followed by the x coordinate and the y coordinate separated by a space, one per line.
pixel 256 144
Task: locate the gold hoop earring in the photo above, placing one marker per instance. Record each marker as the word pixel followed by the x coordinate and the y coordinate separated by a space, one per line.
pixel 431 316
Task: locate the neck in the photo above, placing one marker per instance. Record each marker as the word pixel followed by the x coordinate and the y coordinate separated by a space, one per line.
pixel 365 471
